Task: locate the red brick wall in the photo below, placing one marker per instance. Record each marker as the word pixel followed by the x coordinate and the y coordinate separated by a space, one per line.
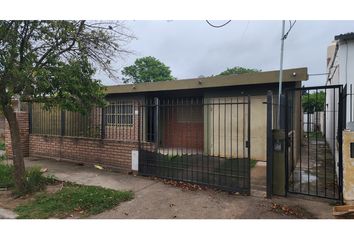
pixel 109 153
pixel 22 118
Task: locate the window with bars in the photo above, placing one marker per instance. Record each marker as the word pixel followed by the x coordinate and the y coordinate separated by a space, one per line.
pixel 120 113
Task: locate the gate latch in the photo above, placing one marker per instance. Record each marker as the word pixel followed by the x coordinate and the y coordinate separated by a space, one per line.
pixel 247 144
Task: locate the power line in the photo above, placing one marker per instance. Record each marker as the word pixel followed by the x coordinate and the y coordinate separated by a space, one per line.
pixel 218 26
pixel 290 27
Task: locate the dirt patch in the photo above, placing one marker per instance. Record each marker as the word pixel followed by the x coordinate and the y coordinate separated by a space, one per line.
pixel 10 201
pixel 295 211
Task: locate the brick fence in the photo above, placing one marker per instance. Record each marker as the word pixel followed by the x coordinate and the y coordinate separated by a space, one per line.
pixel 109 153
pixel 115 154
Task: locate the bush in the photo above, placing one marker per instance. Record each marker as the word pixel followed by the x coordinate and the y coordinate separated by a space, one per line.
pixel 6 178
pixel 34 179
pixel 2 145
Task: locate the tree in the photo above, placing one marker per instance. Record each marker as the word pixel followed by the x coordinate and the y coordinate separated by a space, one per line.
pixel 314 102
pixel 53 62
pixel 238 70
pixel 147 69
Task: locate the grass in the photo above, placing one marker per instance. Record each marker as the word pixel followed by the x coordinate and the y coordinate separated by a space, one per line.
pixel 253 163
pixel 79 199
pixel 313 135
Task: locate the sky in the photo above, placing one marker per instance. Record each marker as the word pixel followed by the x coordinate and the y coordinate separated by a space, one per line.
pixel 193 48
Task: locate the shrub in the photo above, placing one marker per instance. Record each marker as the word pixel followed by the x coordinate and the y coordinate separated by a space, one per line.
pixel 6 178
pixel 2 145
pixel 35 181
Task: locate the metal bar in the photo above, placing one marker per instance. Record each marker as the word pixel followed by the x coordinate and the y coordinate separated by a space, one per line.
pixel 325 137
pixel 314 88
pixel 341 123
pixel 62 127
pixel 30 115
pixel 103 123
pixel 286 141
pixel 308 141
pixel 315 126
pixel 269 146
pixel 249 144
pixel 334 140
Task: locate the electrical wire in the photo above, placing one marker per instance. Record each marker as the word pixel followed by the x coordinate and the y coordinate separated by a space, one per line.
pixel 290 27
pixel 218 26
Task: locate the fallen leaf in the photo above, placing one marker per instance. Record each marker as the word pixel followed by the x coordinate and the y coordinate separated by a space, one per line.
pixel 99 167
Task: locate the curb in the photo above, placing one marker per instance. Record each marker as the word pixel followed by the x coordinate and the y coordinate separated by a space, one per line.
pixel 7 214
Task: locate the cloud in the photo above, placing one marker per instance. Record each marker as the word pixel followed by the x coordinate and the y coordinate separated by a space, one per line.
pixel 193 48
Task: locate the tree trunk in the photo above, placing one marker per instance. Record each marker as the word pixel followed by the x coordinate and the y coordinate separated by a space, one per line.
pixel 19 164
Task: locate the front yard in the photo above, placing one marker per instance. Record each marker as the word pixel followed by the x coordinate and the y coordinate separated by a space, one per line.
pixel 46 197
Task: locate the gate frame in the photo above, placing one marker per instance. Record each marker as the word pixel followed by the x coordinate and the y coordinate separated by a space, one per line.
pixel 156 105
pixel 341 119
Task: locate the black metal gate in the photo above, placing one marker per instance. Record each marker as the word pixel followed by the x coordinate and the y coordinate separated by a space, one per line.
pixel 199 140
pixel 313 126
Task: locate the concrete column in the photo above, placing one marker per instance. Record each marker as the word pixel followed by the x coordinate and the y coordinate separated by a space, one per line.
pixel 348 166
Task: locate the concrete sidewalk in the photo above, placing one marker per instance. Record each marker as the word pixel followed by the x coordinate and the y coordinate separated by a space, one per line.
pixel 154 199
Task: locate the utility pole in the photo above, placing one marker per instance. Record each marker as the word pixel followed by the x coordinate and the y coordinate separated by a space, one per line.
pixel 281 72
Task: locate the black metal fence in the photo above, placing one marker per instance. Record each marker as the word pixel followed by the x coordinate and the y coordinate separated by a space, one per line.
pixel 314 136
pixel 119 121
pixel 204 141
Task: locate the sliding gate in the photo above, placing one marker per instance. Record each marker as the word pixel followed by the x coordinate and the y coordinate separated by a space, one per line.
pixel 198 140
pixel 314 125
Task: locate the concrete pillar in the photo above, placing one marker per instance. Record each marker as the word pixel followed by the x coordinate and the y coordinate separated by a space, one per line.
pixel 348 166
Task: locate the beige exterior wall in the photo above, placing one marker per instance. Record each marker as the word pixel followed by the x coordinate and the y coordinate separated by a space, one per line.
pixel 226 127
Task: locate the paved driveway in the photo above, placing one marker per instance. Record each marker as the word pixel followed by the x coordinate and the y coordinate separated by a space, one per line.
pixel 154 199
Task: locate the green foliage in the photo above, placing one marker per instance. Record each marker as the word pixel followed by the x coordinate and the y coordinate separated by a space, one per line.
pixel 85 200
pixel 238 70
pixel 253 163
pixel 6 179
pixel 313 102
pixel 147 69
pixel 34 180
pixel 2 145
pixel 53 62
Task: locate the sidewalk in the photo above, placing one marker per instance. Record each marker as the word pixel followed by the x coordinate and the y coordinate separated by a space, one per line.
pixel 154 199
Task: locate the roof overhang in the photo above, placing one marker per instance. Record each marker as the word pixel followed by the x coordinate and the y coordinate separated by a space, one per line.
pixel 289 75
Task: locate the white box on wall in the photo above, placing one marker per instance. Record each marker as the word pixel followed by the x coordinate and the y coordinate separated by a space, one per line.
pixel 135 160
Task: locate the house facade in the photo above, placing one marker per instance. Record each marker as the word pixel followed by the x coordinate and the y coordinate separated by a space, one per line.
pixel 216 117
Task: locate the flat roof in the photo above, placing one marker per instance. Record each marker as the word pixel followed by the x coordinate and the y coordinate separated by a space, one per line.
pixel 289 75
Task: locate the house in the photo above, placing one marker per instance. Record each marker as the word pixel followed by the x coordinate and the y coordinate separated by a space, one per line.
pixel 340 62
pixel 197 114
pixel 203 130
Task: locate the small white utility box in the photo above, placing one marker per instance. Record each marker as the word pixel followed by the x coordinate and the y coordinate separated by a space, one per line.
pixel 135 160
